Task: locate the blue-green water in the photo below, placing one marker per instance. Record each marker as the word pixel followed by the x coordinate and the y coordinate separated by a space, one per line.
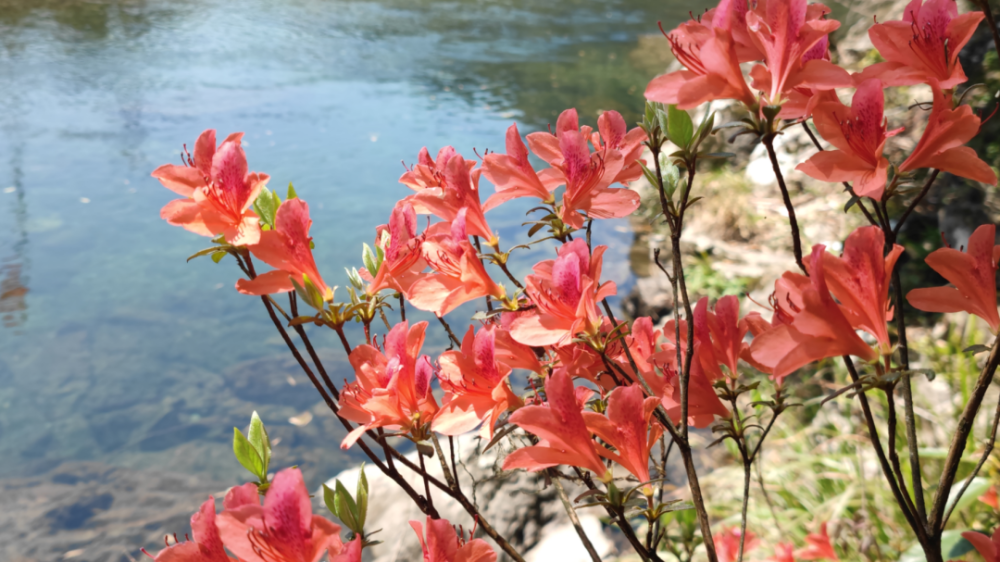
pixel 112 348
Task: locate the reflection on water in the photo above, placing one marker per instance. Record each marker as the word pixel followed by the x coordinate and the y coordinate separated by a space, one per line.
pixel 132 359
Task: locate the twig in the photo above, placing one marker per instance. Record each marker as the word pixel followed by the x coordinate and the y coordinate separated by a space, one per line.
pixel 986 455
pixel 623 523
pixel 936 520
pixel 894 455
pixel 887 471
pixel 992 23
pixel 768 141
pixel 451 335
pixel 916 201
pixel 293 304
pixel 554 476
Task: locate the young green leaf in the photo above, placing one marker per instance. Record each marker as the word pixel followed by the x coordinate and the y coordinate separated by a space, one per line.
pixel 247 455
pixel 257 435
pixel 368 257
pixel 217 256
pixel 362 498
pixel 680 130
pixel 291 191
pixel 347 510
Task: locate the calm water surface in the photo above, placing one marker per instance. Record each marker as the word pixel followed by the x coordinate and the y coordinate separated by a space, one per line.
pixel 112 349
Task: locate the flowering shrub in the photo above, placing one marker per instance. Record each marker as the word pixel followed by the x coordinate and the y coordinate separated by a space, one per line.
pixel 606 393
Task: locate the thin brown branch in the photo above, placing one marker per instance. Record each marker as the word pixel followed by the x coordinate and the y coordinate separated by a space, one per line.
pixel 451 335
pixel 916 201
pixel 936 520
pixel 992 23
pixel 887 471
pixel 982 461
pixel 557 482
pixel 768 141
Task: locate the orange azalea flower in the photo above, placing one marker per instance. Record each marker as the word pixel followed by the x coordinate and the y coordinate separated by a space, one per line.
pixel 351 551
pixel 703 403
pixel 987 546
pixel 217 188
pixel 512 174
pixel 819 546
pixel 990 498
pixel 783 552
pixel 392 386
pixel 859 134
pixel 941 145
pixel 446 186
pixel 587 175
pixel 727 543
pixel 284 529
pixel 613 134
pixel 973 276
pixel 475 381
pixel 460 276
pixel 628 428
pixel 860 279
pixel 207 544
pixel 801 99
pixel 644 345
pixel 443 544
pixel 786 31
pixel 286 248
pixel 565 292
pixel 817 330
pixel 721 332
pixel 404 259
pixel 924 46
pixel 711 58
pixel 563 435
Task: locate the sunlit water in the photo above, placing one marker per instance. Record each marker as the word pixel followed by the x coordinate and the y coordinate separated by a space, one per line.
pixel 115 350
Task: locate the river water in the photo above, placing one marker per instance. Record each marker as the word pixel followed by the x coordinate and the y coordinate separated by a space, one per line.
pixel 117 354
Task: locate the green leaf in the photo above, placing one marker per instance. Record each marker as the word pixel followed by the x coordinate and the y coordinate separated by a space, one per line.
pixel 206 252
pixel 368 257
pixel 362 497
pixel 538 226
pixel 854 199
pixel 706 128
pixel 291 191
pixel 217 256
pixel 247 455
pixel 978 487
pixel 266 206
pixel 347 510
pixel 974 349
pixel 257 436
pixel 680 130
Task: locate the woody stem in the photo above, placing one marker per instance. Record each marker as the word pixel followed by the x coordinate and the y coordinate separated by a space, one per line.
pixel 742 445
pixel 992 23
pixel 676 223
pixel 768 141
pixel 571 513
pixel 916 201
pixel 623 524
pixel 391 473
pixel 904 358
pixel 887 471
pixel 982 460
pixel 958 442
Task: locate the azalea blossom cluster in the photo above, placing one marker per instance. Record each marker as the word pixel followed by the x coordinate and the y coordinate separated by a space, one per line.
pixel 604 395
